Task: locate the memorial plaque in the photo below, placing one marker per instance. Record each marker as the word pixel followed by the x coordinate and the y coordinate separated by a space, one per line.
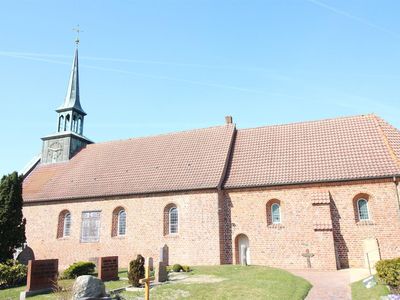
pixel 108 268
pixel 42 274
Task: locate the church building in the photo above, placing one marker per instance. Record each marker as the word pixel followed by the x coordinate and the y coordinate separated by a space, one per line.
pixel 321 192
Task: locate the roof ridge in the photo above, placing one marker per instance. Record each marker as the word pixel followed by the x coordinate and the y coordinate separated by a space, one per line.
pixel 161 134
pixel 386 141
pixel 311 121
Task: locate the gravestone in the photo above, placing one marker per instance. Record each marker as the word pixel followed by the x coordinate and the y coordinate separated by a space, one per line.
pixel 41 278
pixel 42 274
pixel 371 252
pixel 164 252
pixel 161 272
pixel 25 255
pixel 108 268
pixel 150 263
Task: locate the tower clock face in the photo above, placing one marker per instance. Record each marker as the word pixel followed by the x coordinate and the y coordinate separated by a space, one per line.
pixel 54 151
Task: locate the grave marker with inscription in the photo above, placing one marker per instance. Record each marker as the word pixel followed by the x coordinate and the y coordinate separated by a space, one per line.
pixel 41 278
pixel 108 268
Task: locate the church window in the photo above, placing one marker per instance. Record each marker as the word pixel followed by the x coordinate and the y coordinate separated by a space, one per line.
pixel 90 230
pixel 173 220
pixel 273 211
pixel 118 225
pixel 276 213
pixel 61 124
pixel 122 222
pixel 363 213
pixel 64 224
pixel 67 224
pixel 67 122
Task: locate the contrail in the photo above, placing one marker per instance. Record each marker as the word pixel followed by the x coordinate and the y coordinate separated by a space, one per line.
pixel 271 73
pixel 195 82
pixel 353 17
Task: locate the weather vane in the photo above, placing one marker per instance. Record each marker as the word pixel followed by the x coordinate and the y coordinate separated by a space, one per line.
pixel 78 30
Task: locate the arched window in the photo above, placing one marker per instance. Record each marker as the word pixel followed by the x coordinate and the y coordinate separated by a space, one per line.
pixel 74 124
pixel 118 226
pixel 276 213
pixel 67 225
pixel 362 206
pixel 61 124
pixel 121 222
pixel 67 123
pixel 173 220
pixel 79 125
pixel 273 210
pixel 64 224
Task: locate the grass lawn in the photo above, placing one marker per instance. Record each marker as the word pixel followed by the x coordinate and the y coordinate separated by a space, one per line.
pixel 13 293
pixel 252 282
pixel 359 292
pixel 232 282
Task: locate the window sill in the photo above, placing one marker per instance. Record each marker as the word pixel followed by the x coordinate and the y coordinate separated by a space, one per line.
pixel 119 237
pixel 63 238
pixel 365 222
pixel 172 235
pixel 276 226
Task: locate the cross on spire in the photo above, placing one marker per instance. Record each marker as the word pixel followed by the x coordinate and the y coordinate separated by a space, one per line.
pixel 78 30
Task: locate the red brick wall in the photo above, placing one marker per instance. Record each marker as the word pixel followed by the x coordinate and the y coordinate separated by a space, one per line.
pixel 315 226
pixel 196 244
pixel 209 222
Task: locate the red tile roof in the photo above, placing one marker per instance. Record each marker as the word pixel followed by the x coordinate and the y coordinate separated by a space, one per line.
pixel 177 161
pixel 328 150
pixel 347 148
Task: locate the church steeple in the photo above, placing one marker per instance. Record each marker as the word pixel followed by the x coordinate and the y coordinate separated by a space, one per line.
pixel 72 99
pixel 71 114
pixel 69 139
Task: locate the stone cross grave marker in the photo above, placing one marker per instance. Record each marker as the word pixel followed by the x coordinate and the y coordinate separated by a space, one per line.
pixel 147 279
pixel 308 255
pixel 108 268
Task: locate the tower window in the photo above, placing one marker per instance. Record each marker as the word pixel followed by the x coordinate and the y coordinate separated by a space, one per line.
pixel 67 123
pixel 61 123
pixel 79 125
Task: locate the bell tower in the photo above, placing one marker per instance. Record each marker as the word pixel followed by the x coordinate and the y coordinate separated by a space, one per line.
pixel 69 138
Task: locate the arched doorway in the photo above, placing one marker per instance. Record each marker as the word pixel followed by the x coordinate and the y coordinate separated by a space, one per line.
pixel 242 249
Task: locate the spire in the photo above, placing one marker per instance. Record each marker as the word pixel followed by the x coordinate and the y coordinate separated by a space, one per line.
pixel 72 100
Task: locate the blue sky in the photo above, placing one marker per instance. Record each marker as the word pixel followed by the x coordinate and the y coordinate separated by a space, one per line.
pixel 150 67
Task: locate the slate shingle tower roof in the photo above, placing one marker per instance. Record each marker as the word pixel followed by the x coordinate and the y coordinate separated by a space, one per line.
pixel 72 98
pixel 341 149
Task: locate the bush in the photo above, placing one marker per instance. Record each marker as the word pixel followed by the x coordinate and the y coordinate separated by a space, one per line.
pixel 12 273
pixel 176 268
pixel 136 270
pixel 186 269
pixel 78 269
pixel 169 269
pixel 388 271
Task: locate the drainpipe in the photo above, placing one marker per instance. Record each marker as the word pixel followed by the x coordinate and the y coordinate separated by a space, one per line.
pixel 397 191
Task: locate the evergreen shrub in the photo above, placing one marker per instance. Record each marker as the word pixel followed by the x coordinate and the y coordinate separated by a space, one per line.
pixel 78 269
pixel 136 270
pixel 12 273
pixel 388 271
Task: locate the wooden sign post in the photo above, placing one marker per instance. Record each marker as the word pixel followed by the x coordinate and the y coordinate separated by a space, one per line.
pixel 146 280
